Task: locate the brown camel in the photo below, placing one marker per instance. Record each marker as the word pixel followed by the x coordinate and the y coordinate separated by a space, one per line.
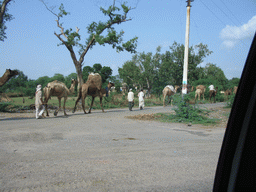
pixel 227 93
pixel 235 89
pixel 7 75
pixel 59 89
pixel 212 93
pixel 169 91
pixel 90 88
pixel 200 89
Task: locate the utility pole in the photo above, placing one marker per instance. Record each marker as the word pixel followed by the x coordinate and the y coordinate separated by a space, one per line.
pixel 185 68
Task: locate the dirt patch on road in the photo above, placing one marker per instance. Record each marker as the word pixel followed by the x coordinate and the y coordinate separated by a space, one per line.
pixel 219 113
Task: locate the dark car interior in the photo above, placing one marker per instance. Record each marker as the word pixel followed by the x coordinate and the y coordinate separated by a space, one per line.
pixel 236 169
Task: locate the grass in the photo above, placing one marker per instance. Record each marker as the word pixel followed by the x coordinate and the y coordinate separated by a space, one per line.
pixel 172 118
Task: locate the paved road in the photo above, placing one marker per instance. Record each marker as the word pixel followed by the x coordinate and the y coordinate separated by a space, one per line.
pixel 106 152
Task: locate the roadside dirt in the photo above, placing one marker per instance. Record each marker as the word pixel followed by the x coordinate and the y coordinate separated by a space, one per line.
pixel 217 113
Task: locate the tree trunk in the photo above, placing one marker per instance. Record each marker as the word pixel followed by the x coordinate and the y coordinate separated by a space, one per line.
pixel 79 75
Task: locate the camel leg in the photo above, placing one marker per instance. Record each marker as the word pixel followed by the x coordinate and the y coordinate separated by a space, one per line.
pixel 91 105
pixel 78 98
pixel 164 101
pixel 101 104
pixel 57 110
pixel 45 104
pixel 83 105
pixel 64 108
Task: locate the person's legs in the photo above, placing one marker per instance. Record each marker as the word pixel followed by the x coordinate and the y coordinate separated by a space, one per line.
pixel 37 113
pixel 41 110
pixel 130 106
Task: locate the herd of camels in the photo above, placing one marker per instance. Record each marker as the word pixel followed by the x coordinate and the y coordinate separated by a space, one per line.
pixel 93 88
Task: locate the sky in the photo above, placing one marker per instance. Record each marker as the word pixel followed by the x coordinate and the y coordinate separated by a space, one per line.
pixel 226 26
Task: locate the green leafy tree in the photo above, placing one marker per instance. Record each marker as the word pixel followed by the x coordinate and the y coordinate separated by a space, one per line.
pixel 105 72
pixel 43 80
pixel 196 56
pixel 59 77
pixel 233 82
pixel 4 16
pixel 86 71
pixel 130 73
pixel 211 71
pixel 142 70
pixel 71 39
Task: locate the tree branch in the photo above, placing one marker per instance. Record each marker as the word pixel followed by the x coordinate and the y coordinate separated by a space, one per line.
pixel 3 8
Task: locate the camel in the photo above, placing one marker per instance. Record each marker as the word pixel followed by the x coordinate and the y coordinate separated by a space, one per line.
pixel 212 93
pixel 90 88
pixel 200 89
pixel 235 89
pixel 59 89
pixel 227 93
pixel 7 75
pixel 169 91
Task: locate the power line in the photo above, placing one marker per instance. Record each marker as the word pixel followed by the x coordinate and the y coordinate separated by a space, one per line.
pixel 223 12
pixel 221 21
pixel 231 12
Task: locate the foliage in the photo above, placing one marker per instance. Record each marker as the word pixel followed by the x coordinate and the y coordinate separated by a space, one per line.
pixel 4 107
pixel 185 112
pixel 105 72
pixel 212 72
pixel 231 101
pixel 4 16
pixel 156 71
pixel 95 31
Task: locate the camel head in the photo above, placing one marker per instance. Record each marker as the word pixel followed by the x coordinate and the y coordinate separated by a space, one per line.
pixel 11 73
pixel 176 87
pixel 74 81
pixel 110 85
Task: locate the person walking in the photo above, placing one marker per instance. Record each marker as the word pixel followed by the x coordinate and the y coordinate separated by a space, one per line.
pixel 141 99
pixel 130 99
pixel 39 102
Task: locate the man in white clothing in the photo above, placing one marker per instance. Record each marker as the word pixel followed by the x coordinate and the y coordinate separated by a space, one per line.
pixel 130 99
pixel 211 87
pixel 38 102
pixel 141 99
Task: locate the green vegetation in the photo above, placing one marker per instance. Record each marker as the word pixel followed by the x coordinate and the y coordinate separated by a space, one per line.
pixel 186 113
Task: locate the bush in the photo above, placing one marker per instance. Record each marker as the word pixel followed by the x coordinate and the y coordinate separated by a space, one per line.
pixel 4 107
pixel 186 112
pixel 231 101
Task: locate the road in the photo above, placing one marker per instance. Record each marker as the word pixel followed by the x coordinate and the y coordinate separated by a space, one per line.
pixel 107 152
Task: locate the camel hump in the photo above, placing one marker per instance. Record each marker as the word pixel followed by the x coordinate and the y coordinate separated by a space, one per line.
pixel 170 87
pixel 94 79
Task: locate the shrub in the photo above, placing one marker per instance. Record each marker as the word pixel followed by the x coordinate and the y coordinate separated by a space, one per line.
pixel 231 101
pixel 4 107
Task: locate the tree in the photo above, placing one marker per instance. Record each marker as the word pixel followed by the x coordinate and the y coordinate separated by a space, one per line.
pixel 95 30
pixel 211 71
pixel 4 16
pixel 105 72
pixel 59 77
pixel 142 70
pixel 171 70
pixel 130 73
